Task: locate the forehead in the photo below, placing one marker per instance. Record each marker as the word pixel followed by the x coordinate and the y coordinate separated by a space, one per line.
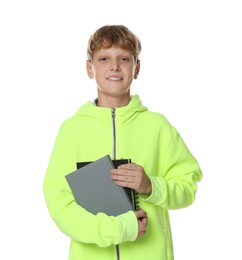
pixel 113 51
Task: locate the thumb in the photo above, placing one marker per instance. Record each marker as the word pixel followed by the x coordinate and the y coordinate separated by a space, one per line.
pixel 140 214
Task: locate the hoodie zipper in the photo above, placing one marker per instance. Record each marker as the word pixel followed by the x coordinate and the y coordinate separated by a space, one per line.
pixel 114 132
pixel 113 111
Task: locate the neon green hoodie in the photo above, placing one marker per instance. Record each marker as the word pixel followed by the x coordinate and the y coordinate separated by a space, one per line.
pixel 128 132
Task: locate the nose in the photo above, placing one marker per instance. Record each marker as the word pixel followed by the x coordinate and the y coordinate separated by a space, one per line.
pixel 114 66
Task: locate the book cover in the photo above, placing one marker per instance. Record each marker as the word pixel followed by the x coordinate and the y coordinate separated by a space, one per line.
pixel 133 196
pixel 94 190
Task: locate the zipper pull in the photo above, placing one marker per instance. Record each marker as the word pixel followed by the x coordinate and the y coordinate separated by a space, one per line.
pixel 113 113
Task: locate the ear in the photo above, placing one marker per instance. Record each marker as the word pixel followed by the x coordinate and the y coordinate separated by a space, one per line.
pixel 89 69
pixel 137 69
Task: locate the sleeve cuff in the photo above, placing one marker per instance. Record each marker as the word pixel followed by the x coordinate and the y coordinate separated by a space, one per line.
pixel 158 192
pixel 128 226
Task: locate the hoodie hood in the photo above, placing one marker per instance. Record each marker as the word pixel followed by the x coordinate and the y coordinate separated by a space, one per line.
pixel 90 109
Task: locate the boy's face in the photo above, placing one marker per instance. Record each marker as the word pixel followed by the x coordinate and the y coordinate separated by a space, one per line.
pixel 114 70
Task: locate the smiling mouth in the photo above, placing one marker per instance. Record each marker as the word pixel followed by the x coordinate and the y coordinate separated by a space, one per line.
pixel 114 78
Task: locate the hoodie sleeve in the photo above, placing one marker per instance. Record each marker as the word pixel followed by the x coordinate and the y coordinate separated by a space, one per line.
pixel 72 219
pixel 176 188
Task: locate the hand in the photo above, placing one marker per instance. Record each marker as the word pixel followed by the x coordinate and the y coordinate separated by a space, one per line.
pixel 133 176
pixel 142 221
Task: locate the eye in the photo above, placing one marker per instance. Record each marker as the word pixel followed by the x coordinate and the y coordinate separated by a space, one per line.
pixel 103 59
pixel 124 59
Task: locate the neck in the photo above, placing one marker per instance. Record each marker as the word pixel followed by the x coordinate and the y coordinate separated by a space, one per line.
pixel 113 102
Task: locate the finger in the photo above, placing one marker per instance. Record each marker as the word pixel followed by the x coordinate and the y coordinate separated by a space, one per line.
pixel 128 166
pixel 140 214
pixel 142 225
pixel 123 178
pixel 123 171
pixel 122 174
pixel 144 220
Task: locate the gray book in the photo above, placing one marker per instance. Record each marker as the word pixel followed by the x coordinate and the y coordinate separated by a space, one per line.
pixel 95 191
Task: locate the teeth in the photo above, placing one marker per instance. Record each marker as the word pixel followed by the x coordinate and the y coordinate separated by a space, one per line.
pixel 114 79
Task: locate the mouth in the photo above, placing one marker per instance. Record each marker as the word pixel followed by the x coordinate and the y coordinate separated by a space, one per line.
pixel 112 78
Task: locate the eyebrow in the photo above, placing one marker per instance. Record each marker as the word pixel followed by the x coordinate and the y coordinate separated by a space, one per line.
pixel 104 51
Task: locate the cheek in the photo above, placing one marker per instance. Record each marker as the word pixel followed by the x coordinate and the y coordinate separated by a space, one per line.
pixel 132 73
pixel 97 73
pixel 129 71
pixel 100 70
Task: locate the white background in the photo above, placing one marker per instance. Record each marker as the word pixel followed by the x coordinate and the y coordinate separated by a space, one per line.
pixel 191 69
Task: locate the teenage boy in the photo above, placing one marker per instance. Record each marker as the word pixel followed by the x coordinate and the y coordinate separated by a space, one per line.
pixel 164 172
